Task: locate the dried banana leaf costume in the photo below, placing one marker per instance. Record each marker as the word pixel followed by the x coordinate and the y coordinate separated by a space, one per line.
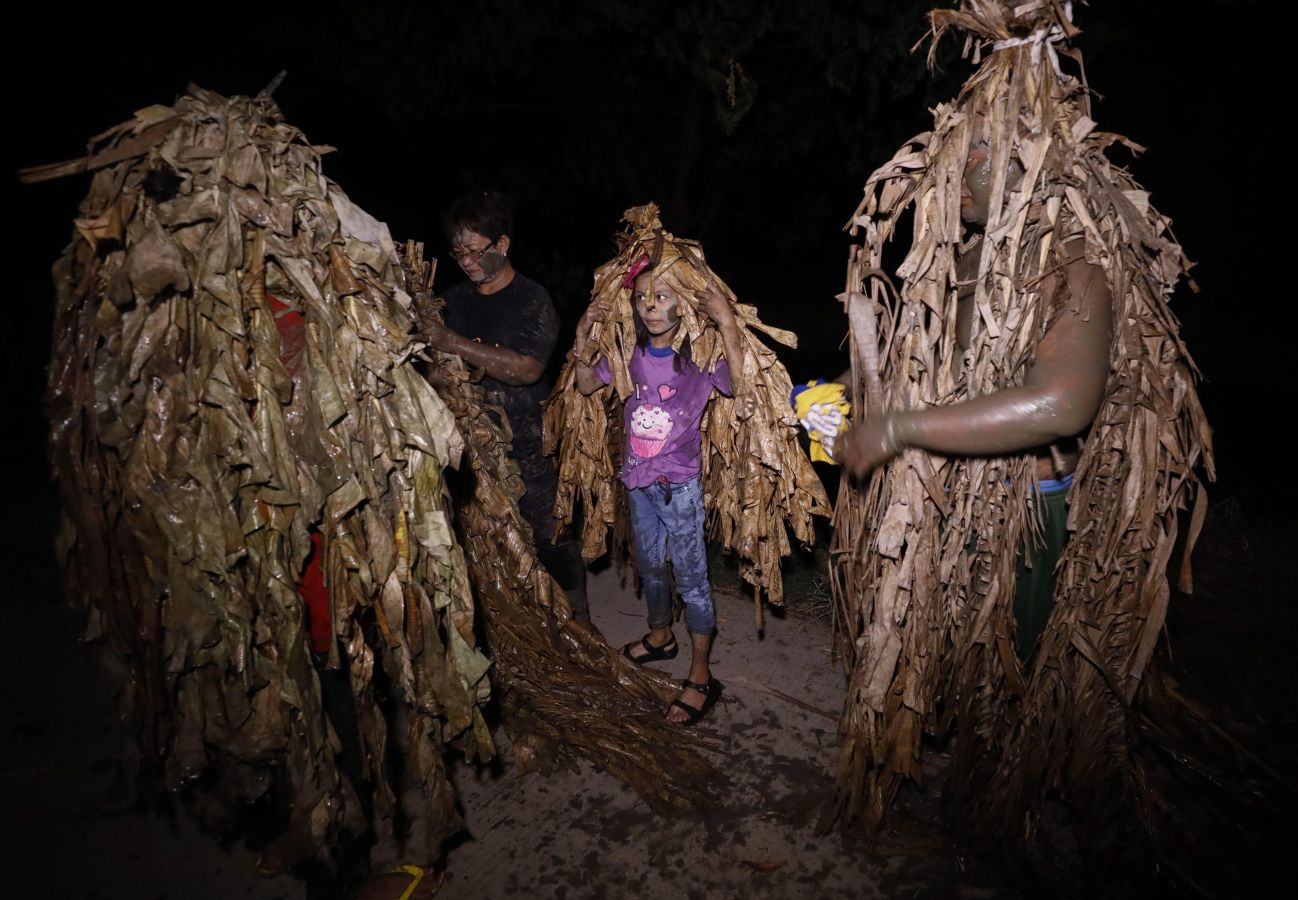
pixel 561 689
pixel 193 468
pixel 757 481
pixel 924 562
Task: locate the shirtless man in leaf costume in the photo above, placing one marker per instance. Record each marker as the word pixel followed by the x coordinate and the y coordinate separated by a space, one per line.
pixel 1032 307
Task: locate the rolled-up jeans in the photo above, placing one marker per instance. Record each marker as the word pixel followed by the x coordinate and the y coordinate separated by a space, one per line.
pixel 667 522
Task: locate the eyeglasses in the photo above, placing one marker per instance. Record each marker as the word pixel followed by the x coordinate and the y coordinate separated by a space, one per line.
pixel 463 256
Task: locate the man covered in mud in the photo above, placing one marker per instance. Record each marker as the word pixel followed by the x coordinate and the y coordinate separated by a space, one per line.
pixel 504 323
pixel 1056 401
pixel 1030 309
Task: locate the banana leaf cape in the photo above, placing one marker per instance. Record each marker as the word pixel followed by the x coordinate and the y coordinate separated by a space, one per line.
pixel 759 486
pixel 925 551
pixel 204 454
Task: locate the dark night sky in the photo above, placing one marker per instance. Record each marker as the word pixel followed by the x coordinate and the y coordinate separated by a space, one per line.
pixel 580 110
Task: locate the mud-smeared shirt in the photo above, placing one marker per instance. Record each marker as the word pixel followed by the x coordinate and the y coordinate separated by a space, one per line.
pixel 663 415
pixel 522 318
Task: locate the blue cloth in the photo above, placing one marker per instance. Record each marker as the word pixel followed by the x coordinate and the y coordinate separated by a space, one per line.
pixel 799 388
pixel 1053 485
pixel 667 521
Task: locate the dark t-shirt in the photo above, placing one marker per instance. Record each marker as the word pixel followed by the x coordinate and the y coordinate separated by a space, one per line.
pixel 518 317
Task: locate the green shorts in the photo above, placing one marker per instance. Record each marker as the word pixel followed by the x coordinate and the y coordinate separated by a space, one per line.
pixel 1034 587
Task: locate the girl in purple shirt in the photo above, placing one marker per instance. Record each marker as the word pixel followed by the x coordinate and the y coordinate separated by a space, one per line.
pixel 661 470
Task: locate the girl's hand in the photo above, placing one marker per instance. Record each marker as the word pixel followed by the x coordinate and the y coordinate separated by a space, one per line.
pixel 716 305
pixel 584 324
pixel 713 302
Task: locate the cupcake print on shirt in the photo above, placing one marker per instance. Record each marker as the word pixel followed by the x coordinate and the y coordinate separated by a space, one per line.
pixel 650 426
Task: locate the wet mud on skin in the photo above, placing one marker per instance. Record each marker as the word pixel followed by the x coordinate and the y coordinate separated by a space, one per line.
pixel 581 834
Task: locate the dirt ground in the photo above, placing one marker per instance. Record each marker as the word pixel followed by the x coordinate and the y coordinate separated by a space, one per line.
pixel 581 834
pixel 577 833
pixel 569 834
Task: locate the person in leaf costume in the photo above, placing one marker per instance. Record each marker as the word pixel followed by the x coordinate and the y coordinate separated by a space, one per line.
pixel 758 484
pixel 662 456
pixel 255 527
pixel 1028 354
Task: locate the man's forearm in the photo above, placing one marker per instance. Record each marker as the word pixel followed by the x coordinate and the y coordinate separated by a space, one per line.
pixel 1012 419
pixel 1059 397
pixel 502 364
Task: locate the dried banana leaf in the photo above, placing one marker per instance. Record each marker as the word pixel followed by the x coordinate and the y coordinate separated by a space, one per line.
pixel 194 464
pixel 924 556
pixel 560 687
pixel 758 483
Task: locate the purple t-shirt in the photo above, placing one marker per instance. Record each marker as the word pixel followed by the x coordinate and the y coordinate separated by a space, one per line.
pixel 663 415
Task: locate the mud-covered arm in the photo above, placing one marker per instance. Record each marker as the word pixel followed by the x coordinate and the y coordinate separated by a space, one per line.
pixel 714 303
pixel 586 376
pixel 588 382
pixel 1059 397
pixel 505 365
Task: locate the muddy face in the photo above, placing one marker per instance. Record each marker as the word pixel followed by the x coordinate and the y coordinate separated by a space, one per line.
pixel 976 188
pixel 479 257
pixel 656 304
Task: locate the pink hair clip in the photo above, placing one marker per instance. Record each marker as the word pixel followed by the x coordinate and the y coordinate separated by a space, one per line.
pixel 636 268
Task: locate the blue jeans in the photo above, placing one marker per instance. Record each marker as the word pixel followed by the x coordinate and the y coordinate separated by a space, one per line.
pixel 660 529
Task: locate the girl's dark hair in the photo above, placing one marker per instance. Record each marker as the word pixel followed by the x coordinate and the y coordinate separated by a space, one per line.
pixel 489 213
